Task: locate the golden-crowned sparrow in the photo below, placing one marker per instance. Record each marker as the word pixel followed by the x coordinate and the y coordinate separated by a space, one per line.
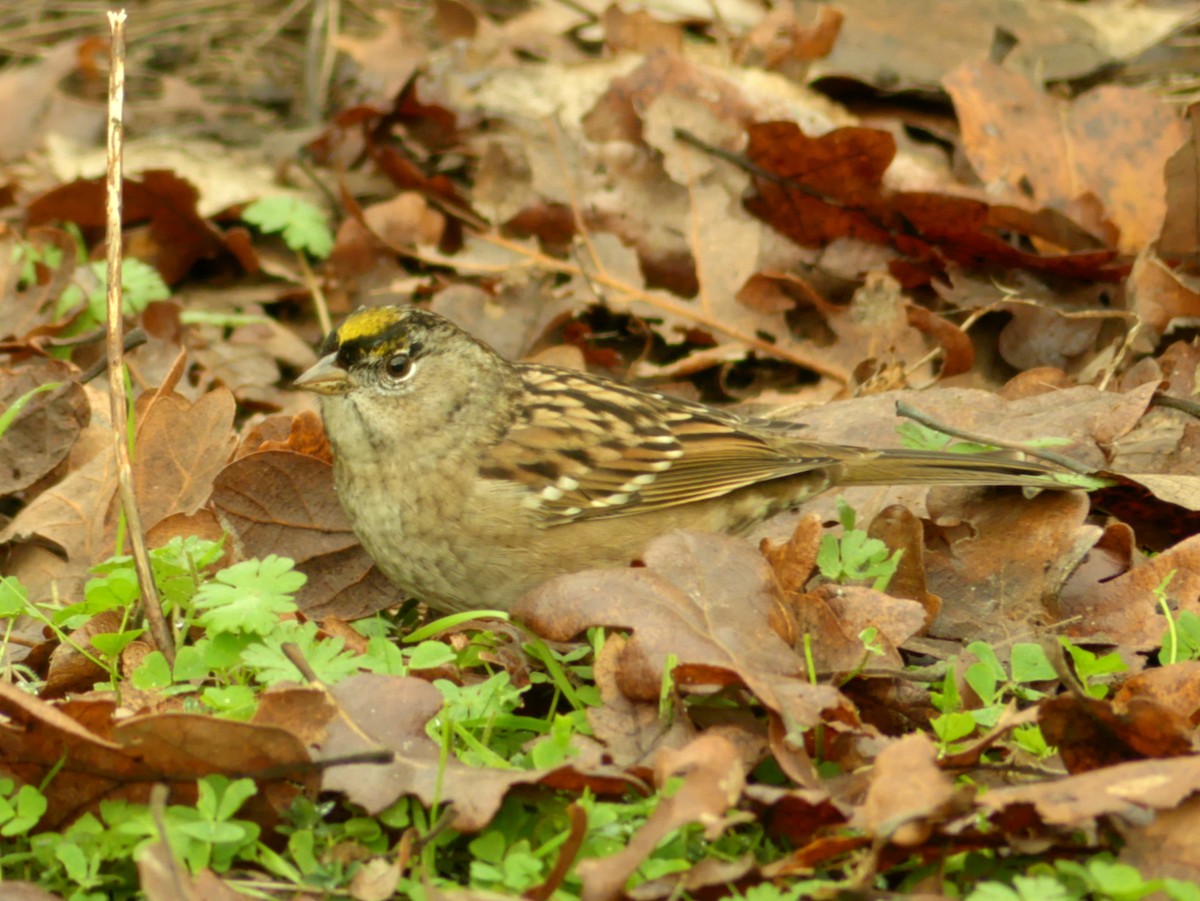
pixel 470 479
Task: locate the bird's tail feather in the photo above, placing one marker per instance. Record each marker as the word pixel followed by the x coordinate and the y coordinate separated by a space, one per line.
pixel 898 467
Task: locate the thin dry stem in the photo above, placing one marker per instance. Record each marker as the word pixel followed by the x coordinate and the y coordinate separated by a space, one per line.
pixel 151 605
pixel 318 296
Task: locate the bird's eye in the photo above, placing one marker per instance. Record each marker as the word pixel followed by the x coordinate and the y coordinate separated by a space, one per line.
pixel 399 366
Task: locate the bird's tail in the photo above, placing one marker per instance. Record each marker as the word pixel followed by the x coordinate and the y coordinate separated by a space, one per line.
pixel 899 467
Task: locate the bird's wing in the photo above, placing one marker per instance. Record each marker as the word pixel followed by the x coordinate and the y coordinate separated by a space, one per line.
pixel 589 448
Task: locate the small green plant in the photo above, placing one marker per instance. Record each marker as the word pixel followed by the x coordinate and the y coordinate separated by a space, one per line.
pixel 1182 638
pixel 1100 878
pixel 915 436
pixel 303 226
pixel 1092 669
pixel 140 286
pixel 1182 641
pixel 995 688
pixel 855 556
pixel 20 808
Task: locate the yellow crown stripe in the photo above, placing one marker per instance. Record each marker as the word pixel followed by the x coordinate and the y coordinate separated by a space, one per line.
pixel 367 324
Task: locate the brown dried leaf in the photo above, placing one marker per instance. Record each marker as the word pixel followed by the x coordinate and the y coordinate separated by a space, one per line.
pixel 1123 610
pixel 829 187
pixel 795 561
pixel 1160 296
pixel 908 794
pixel 176 236
pixel 73 516
pixel 106 761
pixel 1105 141
pixel 1181 223
pixel 996 563
pixel 1175 687
pixel 835 615
pixel 1125 790
pixel 69 670
pixel 47 428
pixel 1092 734
pixel 632 730
pixel 180 447
pixel 711 601
pixel 898 528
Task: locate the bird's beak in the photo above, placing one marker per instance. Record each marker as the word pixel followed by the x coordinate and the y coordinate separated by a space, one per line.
pixel 325 377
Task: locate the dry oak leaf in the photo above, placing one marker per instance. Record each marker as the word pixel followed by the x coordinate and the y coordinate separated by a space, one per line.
pixel 176 236
pixel 819 189
pixel 94 760
pixel 997 560
pixel 1105 141
pixel 835 616
pixel 1175 687
pixel 632 730
pixel 44 432
pixel 1124 610
pixel 1092 734
pixel 907 792
pixel 1125 789
pixel 712 602
pixel 179 447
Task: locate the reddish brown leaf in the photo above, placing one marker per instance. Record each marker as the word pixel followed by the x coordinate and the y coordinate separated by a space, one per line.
pixel 45 431
pixel 1092 734
pixel 176 236
pixel 817 190
pixel 958 353
pixel 103 761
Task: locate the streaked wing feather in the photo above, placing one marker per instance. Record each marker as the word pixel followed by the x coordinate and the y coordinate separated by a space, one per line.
pixel 619 451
